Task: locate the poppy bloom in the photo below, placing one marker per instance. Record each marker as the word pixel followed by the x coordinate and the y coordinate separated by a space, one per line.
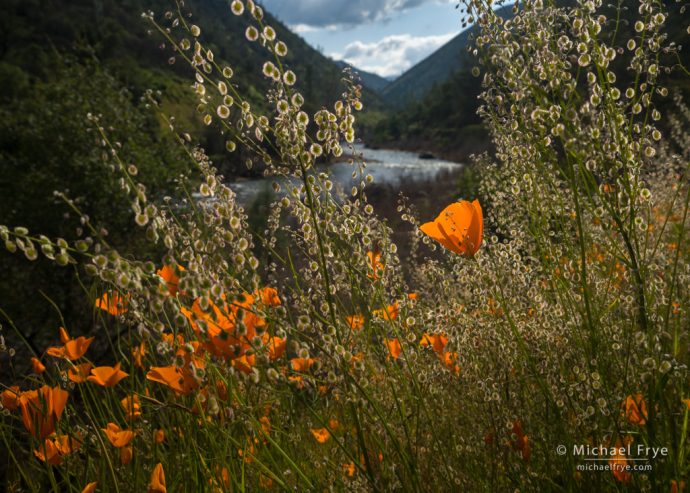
pixel 412 296
pixel 159 436
pixel 90 488
pixel 157 483
pixel 53 450
pixel 107 376
pixel 677 487
pixel 37 366
pixel 41 409
pixel 72 349
pixel 322 435
pixel 619 464
pixel 171 278
pixel 114 304
pixel 132 407
pixel 276 348
pixel 459 228
pixel 349 469
pixel 302 364
pixel 181 382
pixel 634 409
pixel 126 455
pixel 269 297
pixel 437 342
pixel 450 360
pixel 521 441
pixel 394 348
pixel 10 398
pixel 389 313
pixel 79 373
pixel 375 264
pixel 117 436
pixel 355 322
pixel 244 363
pixel 138 354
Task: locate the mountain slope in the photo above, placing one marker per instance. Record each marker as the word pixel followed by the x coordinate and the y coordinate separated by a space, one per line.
pixel 369 80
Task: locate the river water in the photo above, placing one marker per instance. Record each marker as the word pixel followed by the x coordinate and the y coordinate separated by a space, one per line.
pixel 387 167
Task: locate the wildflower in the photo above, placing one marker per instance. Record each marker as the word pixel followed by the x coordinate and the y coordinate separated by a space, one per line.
pixel 269 297
pixel 157 484
pixel 619 464
pixel 521 441
pixel 322 435
pixel 138 354
pixel 450 361
pixel 107 376
pixel 375 264
pixel 41 409
pixel 349 469
pixel 276 348
pixel 677 487
pixel 132 407
pixel 634 409
pixel 79 373
pixel 394 348
pixel 412 296
pixel 117 436
pixel 181 382
pixel 126 455
pixel 53 450
pixel 10 398
pixel 459 228
pixel 355 322
pixel 37 366
pixel 159 436
pixel 114 304
pixel 302 364
pixel 437 342
pixel 389 313
pixel 90 488
pixel 171 278
pixel 72 349
pixel 244 363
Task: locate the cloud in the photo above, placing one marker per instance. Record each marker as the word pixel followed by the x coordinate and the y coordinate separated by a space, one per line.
pixel 323 13
pixel 391 55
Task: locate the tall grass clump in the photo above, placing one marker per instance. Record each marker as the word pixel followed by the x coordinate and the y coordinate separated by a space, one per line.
pixel 485 360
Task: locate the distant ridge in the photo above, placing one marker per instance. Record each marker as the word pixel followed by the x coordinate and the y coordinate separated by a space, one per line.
pixel 370 80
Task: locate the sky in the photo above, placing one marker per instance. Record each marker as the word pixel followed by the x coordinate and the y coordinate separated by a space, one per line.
pixel 385 37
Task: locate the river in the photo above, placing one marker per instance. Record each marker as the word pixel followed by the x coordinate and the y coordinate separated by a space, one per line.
pixel 387 167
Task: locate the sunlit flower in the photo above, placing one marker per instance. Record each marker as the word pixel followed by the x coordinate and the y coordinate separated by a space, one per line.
pixel 41 409
pixel 79 373
pixel 436 341
pixel 322 435
pixel 107 376
pixel 269 296
pixel 634 409
pixel 181 382
pixel 72 349
pixel 37 366
pixel 114 303
pixel 394 348
pixel 619 464
pixel 10 398
pixel 302 364
pixel 117 436
pixel 389 313
pixel 170 275
pixel 157 483
pixel 355 322
pixel 375 265
pixel 126 454
pixel 521 441
pixel 349 469
pixel 459 228
pixel 244 363
pixel 159 436
pixel 90 488
pixel 53 450
pixel 276 348
pixel 138 354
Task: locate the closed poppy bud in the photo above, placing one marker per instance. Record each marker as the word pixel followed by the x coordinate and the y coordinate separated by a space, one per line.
pixel 459 228
pixel 159 436
pixel 37 366
pixel 157 483
pixel 90 488
pixel 126 454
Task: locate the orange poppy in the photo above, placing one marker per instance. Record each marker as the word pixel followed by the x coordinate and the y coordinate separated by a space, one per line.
pixel 10 398
pixel 182 382
pixel 355 322
pixel 126 455
pixel 322 435
pixel 412 296
pixel 619 464
pixel 114 304
pixel 53 450
pixel 634 409
pixel 437 342
pixel 302 364
pixel 276 348
pixel 37 366
pixel 159 436
pixel 389 313
pixel 72 349
pixel 677 487
pixel 394 348
pixel 349 469
pixel 171 278
pixel 450 360
pixel 117 436
pixel 459 228
pixel 375 264
pixel 79 373
pixel 107 376
pixel 138 354
pixel 269 296
pixel 244 363
pixel 41 409
pixel 157 484
pixel 521 441
pixel 132 407
pixel 90 488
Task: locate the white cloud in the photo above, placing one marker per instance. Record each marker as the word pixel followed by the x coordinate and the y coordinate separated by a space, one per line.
pixel 322 13
pixel 391 55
